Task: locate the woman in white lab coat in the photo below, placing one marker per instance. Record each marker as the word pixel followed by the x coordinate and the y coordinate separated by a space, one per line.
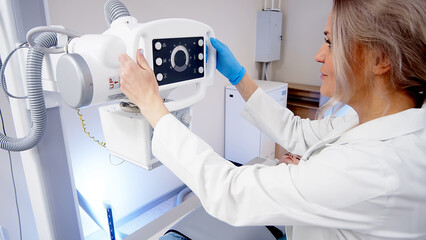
pixel 361 176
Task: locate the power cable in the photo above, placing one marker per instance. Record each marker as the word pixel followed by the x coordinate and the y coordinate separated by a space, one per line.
pixel 13 179
pixel 3 68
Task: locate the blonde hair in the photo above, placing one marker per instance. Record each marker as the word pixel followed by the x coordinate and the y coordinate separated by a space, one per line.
pixel 395 29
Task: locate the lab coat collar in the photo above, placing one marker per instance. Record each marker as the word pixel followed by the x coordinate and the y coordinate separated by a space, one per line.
pixel 388 127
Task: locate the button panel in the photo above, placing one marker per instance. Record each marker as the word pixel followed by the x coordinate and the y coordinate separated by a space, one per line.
pixel 178 59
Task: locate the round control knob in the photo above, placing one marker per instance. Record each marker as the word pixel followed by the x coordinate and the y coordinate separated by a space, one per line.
pixel 200 56
pixel 200 42
pixel 160 77
pixel 200 70
pixel 180 58
pixel 158 46
pixel 159 61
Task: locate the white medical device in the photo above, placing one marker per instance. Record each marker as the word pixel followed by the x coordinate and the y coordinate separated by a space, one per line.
pixel 175 49
pixel 87 74
pixel 89 71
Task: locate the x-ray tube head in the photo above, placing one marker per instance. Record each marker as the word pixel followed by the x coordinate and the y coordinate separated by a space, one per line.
pixel 90 73
pixel 175 49
pixel 76 82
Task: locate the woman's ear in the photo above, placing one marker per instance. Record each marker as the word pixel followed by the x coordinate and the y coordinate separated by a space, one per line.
pixel 382 66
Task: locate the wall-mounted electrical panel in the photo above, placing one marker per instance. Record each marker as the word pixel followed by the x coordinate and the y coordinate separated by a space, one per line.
pixel 268 36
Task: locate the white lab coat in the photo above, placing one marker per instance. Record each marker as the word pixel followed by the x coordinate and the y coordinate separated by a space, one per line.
pixel 358 182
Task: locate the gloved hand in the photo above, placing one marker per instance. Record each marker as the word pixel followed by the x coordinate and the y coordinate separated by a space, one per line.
pixel 227 64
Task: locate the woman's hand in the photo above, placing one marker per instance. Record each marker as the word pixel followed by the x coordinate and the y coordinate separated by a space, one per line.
pixel 289 158
pixel 227 64
pixel 138 83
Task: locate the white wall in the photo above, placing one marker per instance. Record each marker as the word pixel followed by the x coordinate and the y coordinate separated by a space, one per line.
pixel 303 27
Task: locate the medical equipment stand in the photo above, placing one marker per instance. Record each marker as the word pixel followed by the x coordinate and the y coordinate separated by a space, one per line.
pixel 47 168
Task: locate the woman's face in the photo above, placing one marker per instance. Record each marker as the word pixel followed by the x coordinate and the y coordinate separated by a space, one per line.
pixel 325 56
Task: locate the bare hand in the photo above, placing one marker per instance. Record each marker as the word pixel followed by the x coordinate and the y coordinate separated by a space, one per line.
pixel 138 83
pixel 289 158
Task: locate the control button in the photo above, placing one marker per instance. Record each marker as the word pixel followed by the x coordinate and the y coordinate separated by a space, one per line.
pixel 200 42
pixel 158 46
pixel 180 58
pixel 159 77
pixel 200 70
pixel 159 61
pixel 200 56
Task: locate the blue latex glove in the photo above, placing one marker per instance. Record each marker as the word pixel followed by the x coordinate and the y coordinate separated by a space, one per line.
pixel 227 64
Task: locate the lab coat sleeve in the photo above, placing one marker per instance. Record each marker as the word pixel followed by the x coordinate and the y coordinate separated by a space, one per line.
pixel 262 195
pixel 282 126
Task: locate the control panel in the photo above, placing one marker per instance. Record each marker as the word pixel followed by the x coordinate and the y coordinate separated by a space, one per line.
pixel 178 59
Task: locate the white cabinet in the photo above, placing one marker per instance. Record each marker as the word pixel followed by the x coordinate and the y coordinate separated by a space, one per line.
pixel 243 141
